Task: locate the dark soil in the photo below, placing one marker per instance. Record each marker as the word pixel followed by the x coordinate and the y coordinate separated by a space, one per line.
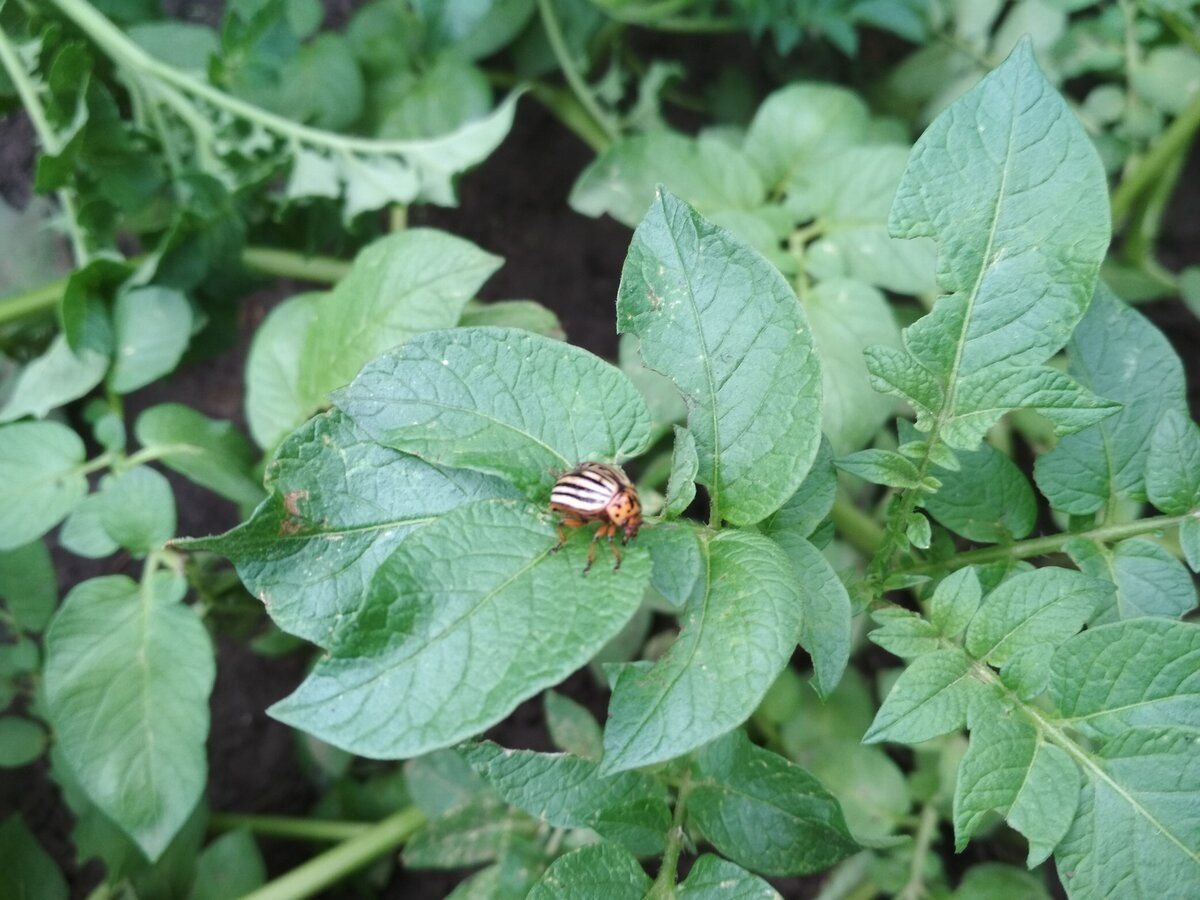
pixel 515 206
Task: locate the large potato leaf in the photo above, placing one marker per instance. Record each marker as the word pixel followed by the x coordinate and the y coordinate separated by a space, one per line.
pixel 128 674
pixel 339 505
pixel 469 616
pixel 725 326
pixel 499 400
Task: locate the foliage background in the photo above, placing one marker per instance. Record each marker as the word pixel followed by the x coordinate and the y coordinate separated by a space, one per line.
pixel 513 205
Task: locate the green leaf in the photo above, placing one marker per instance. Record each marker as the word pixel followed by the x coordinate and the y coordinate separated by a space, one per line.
pixel 207 451
pixel 526 314
pixel 1173 465
pixel 871 789
pixel 567 792
pixel 929 698
pixel 445 96
pixel 1009 185
pixel 22 741
pixel 1115 352
pixel 480 831
pixel 662 397
pixel 29 585
pixel 572 728
pixel 29 871
pixel 1045 606
pixel 441 781
pixel 996 881
pixel 685 463
pixel 83 532
pixel 55 378
pixel 725 326
pixel 918 531
pixel 500 401
pixel 713 878
pixel 275 403
pixel 40 479
pixel 1189 541
pixel 801 123
pixel 1136 823
pixel 806 509
pixel 137 509
pixel 904 633
pixel 1168 78
pixel 885 467
pixel 678 563
pixel 153 325
pixel 706 172
pixel 399 286
pixel 849 194
pixel 184 45
pixel 735 637
pixel 339 506
pixel 231 866
pixel 1149 580
pixel 988 499
pixel 825 613
pixel 127 678
pixel 1008 768
pixel 763 812
pixel 322 84
pixel 599 872
pixel 955 601
pixel 1134 673
pixel 474 598
pixel 846 318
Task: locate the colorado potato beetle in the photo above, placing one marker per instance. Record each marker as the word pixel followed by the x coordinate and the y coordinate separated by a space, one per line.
pixel 597 492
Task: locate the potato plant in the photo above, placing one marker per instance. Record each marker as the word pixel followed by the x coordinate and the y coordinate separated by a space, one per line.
pixel 912 611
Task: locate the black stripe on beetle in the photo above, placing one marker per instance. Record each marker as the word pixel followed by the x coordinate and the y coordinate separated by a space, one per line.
pixel 597 492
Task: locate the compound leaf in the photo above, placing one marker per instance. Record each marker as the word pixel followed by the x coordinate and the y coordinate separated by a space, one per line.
pixel 40 479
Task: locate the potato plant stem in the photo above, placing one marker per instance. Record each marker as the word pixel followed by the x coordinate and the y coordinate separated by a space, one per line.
pixel 1045 545
pixel 43 299
pixel 317 830
pixel 1171 144
pixel 664 884
pixel 335 864
pixel 858 529
pixel 563 54
pixel 914 888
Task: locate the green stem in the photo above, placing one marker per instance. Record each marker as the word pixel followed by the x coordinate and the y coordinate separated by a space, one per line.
pixel 335 864
pixel 698 25
pixel 317 830
pixel 39 301
pixel 47 137
pixel 584 94
pixel 43 299
pixel 1171 144
pixel 858 529
pixel 289 264
pixel 664 884
pixel 125 53
pixel 563 106
pixel 1046 545
pixel 1147 217
pixel 914 888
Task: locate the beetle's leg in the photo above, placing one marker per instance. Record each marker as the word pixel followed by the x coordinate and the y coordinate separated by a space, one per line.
pixel 604 529
pixel 616 553
pixel 568 522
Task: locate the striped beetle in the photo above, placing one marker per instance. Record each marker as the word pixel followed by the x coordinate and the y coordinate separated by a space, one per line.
pixel 597 492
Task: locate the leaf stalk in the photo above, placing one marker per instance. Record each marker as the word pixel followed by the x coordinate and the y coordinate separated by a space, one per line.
pixel 563 54
pixel 664 884
pixel 316 830
pixel 336 863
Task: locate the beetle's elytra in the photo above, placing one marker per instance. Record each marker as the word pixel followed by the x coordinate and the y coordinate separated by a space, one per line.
pixel 597 492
